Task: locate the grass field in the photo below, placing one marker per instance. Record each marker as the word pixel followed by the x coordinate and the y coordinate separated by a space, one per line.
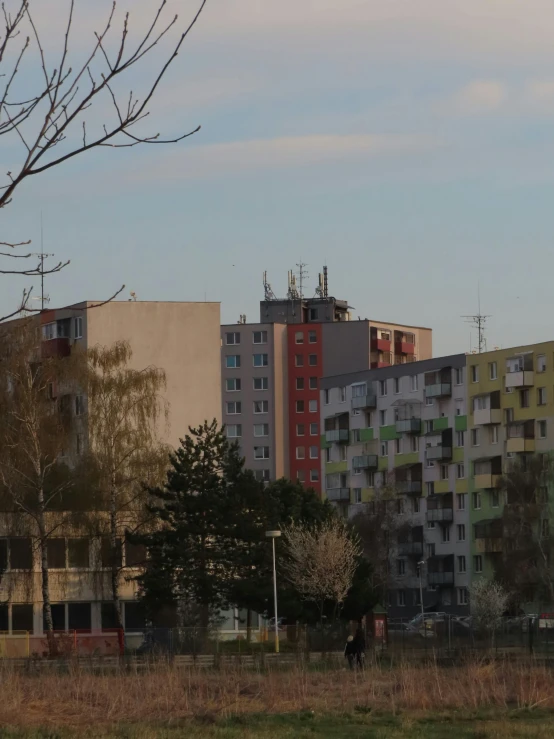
pixel 477 700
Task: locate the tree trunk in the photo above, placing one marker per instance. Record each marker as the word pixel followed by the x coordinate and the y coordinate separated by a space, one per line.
pixel 114 559
pixel 45 577
pixel 248 625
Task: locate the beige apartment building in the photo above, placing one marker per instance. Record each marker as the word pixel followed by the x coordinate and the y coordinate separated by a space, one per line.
pixel 183 338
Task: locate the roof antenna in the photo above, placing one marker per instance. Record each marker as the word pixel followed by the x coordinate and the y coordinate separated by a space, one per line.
pixel 479 320
pixel 325 283
pixel 42 256
pixel 302 275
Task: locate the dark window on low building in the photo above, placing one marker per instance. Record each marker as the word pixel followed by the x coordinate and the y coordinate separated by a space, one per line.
pixel 3 555
pixel 78 552
pixel 108 555
pixel 22 617
pixel 21 554
pixel 78 616
pixel 55 553
pixel 109 616
pixel 135 618
pixel 58 617
pixel 135 554
pixel 4 621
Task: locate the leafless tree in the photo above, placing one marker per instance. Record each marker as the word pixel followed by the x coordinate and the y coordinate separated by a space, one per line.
pixel 51 123
pixel 321 561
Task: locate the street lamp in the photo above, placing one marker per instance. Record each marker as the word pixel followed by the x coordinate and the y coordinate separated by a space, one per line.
pixel 419 567
pixel 275 535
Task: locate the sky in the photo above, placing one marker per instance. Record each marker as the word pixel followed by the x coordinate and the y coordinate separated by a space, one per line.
pixel 406 144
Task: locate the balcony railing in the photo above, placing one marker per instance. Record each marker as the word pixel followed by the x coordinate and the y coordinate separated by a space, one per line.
pixel 404 347
pixel 520 445
pixel 338 495
pixel 365 462
pixel 486 480
pixel 520 378
pixel 440 515
pixel 487 416
pixel 438 390
pixel 364 401
pixel 489 546
pixel 439 452
pixel 410 548
pixel 440 578
pixel 337 436
pixel 409 487
pixel 409 426
pixel 55 348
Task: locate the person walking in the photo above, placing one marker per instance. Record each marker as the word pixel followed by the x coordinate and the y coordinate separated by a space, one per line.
pixel 359 647
pixel 350 651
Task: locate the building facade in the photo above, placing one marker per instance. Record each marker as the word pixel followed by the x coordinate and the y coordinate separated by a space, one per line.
pixel 396 436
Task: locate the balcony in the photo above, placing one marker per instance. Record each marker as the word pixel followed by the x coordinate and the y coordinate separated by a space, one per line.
pixel 404 347
pixel 410 548
pixel 364 401
pixel 438 390
pixel 440 515
pixel 337 436
pixel 520 445
pixel 338 495
pixel 521 437
pixel 489 546
pixel 409 487
pixel 365 462
pixel 487 416
pixel 55 348
pixel 439 453
pixel 520 379
pixel 486 480
pixel 381 345
pixel 409 426
pixel 440 578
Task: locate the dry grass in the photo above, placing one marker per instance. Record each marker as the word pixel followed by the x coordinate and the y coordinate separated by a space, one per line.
pixel 161 694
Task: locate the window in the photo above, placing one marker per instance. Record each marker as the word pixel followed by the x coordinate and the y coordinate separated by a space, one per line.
pixel 233 384
pixel 342 394
pixel 371 479
pixel 108 556
pixel 326 396
pixel 259 337
pixel 232 338
pixel 461 563
pixel 430 488
pixel 55 553
pixel 343 452
pixel 79 616
pixel 300 383
pixel 313 383
pixel 494 434
pixel 327 454
pixel 444 472
pixel 299 337
pixel 495 499
pixel 461 501
pixel 401 597
pixel 300 452
pixel 299 360
pixel 401 566
pixel 261 406
pixel 475 437
pixel 232 361
pixel 416 505
pixel 234 431
pixel 429 401
pixel 260 360
pixel 397 446
pixel 313 429
pixel 261 429
pixel 459 408
pixel 430 548
pixel 355 434
pixel 261 452
pixel 460 438
pixel 314 314
pixel 396 385
pixel 463 597
pixel 312 337
pixel 300 406
pixel 79 405
pixel 524 398
pixel 429 463
pixel 21 554
pixel 493 371
pixel 509 413
pixel 357 495
pixel 382 387
pixel 314 453
pixel 541 396
pixel 261 383
pixel 384 448
pixel 312 360
pixel 78 327
pixel 314 475
pixel 261 475
pixel 414 384
pixel 134 616
pixel 428 427
pixel 233 407
pixel 478 563
pixel 78 554
pixel 459 376
pixel 542 429
pixel 312 406
pixel 474 373
pixel 108 616
pixel 461 531
pixel 49 331
pixel 414 443
pixel 22 617
pixel 445 534
pixel 541 363
pixel 79 442
pixel 476 501
pixel 300 429
pixel 382 418
pixel 135 554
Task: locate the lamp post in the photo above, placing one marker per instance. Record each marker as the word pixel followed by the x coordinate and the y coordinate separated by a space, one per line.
pixel 274 535
pixel 419 567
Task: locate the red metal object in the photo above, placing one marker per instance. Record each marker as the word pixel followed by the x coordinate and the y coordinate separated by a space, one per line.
pixel 404 347
pixel 380 345
pixel 55 348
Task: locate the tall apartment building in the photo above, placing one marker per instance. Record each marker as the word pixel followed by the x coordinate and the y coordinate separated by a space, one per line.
pixel 181 338
pixel 511 416
pixel 402 429
pixel 273 388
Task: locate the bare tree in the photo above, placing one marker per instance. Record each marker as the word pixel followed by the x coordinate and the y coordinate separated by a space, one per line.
pixel 125 413
pixel 488 602
pixel 51 123
pixel 321 561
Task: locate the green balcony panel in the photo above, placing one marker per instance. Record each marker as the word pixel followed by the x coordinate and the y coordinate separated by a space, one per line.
pixel 439 424
pixel 324 443
pixel 402 459
pixel 366 435
pixel 332 467
pixel 383 464
pixel 458 454
pixel 388 433
pixel 460 423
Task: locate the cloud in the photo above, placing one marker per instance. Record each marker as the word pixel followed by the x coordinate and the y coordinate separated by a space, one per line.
pixel 477 98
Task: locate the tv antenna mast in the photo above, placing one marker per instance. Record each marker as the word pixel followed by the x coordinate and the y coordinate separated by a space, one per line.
pixel 302 275
pixel 268 292
pixel 479 320
pixel 40 269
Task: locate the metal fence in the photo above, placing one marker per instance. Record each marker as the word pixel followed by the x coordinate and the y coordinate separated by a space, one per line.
pixel 61 644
